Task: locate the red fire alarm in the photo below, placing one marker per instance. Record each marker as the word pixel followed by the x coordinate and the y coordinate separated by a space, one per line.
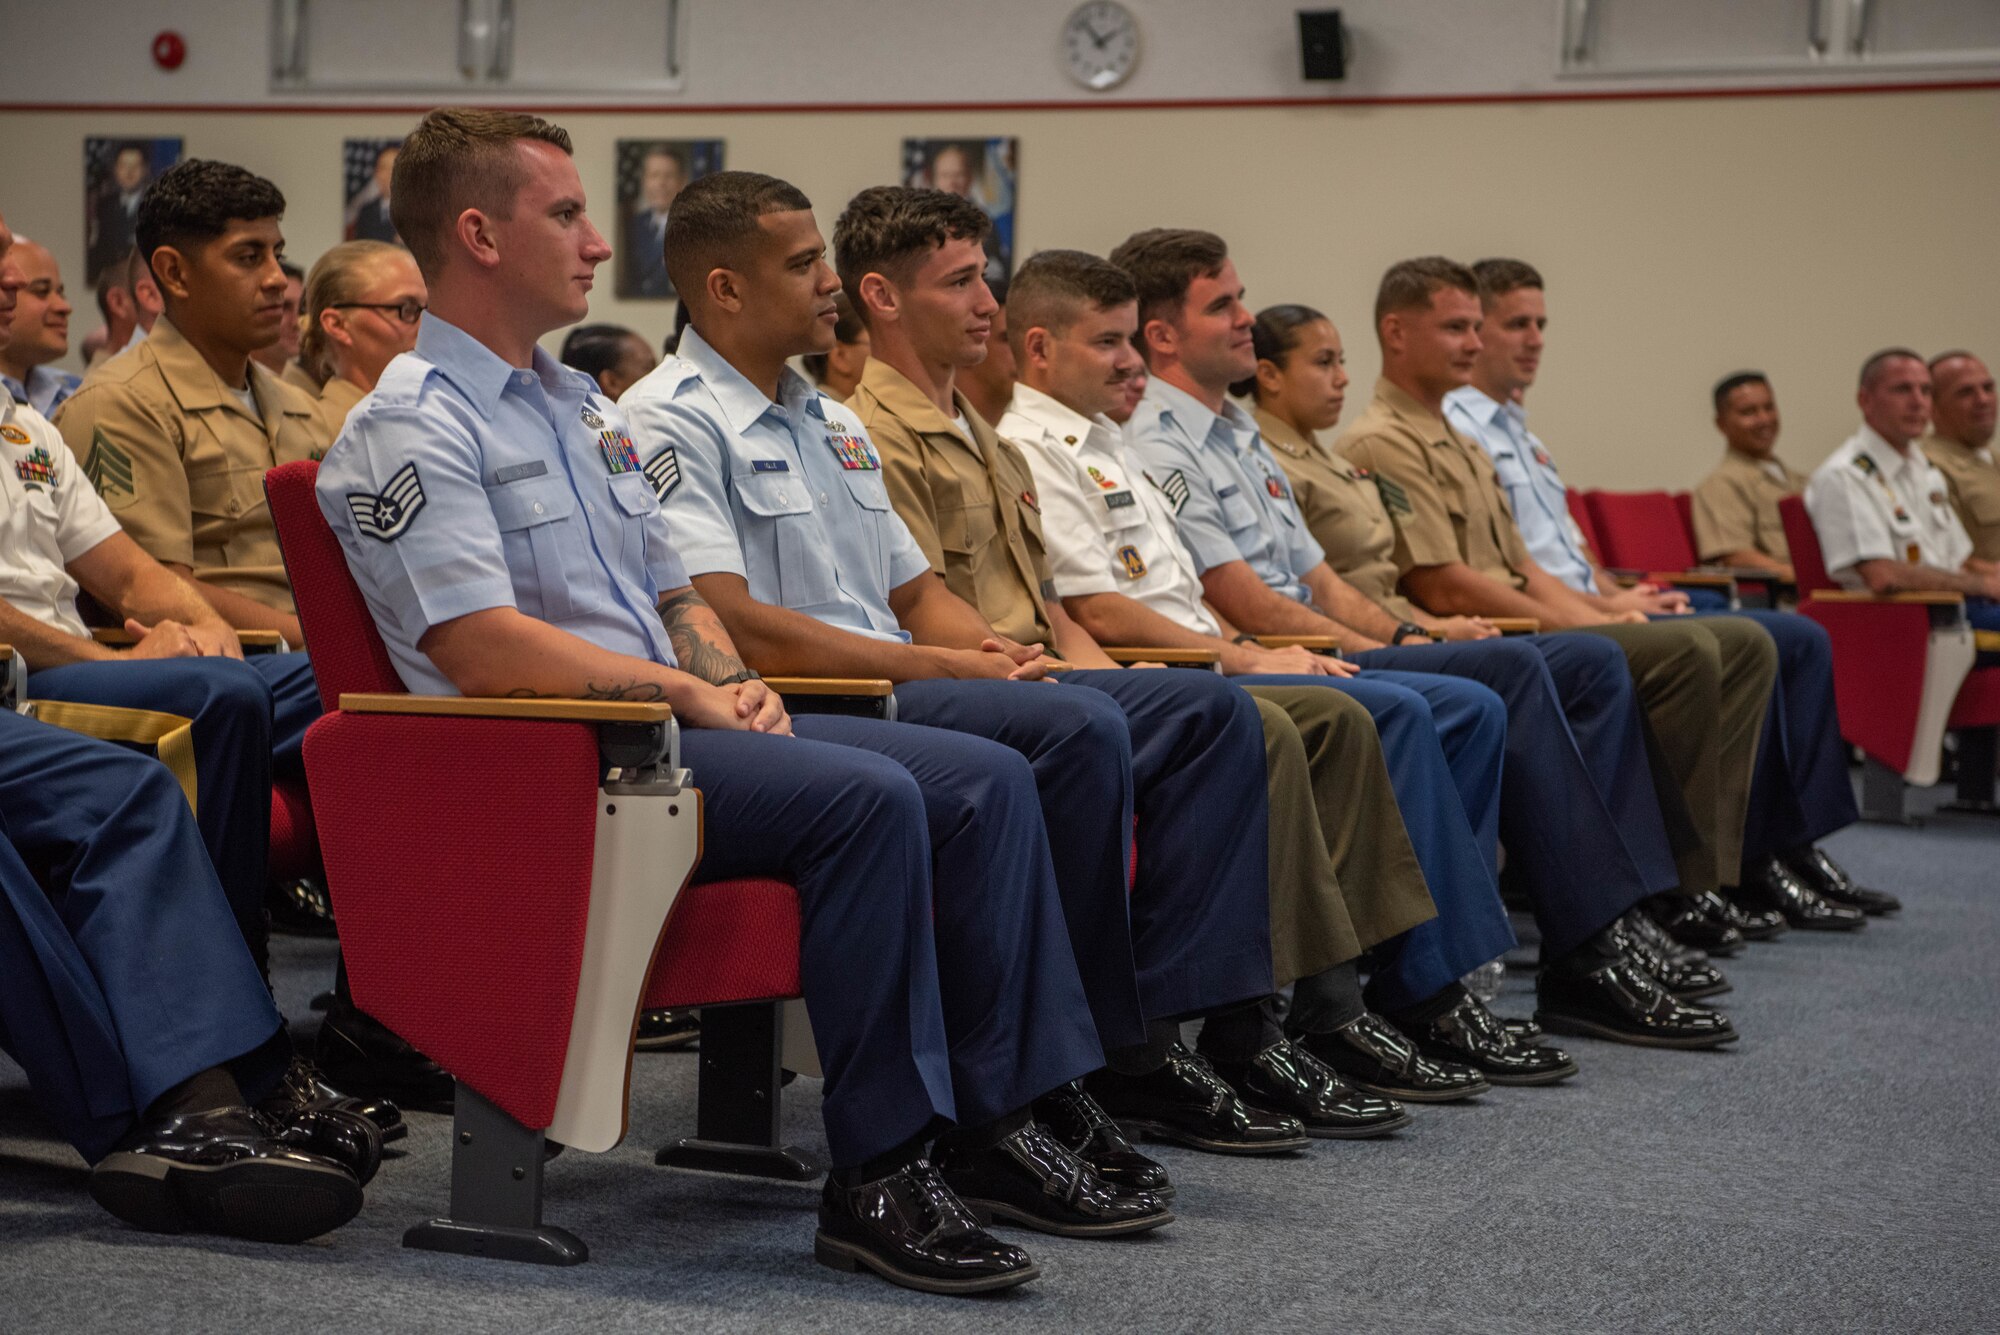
pixel 169 50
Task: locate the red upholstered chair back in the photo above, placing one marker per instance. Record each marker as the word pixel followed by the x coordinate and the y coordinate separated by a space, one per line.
pixel 1641 530
pixel 347 653
pixel 1579 510
pixel 1684 505
pixel 1808 566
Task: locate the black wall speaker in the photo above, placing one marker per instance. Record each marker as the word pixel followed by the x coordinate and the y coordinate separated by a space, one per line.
pixel 1322 44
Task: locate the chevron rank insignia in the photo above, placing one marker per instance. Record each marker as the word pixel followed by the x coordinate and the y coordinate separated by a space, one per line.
pixel 110 471
pixel 1174 488
pixel 387 517
pixel 1394 499
pixel 663 470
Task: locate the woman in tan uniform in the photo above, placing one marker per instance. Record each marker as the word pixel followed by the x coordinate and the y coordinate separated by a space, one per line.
pixel 363 301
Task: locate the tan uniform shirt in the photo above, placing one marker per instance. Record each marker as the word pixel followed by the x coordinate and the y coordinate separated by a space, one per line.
pixel 1344 509
pixel 1441 493
pixel 335 401
pixel 970 504
pixel 300 379
pixel 181 462
pixel 1736 507
pixel 1973 479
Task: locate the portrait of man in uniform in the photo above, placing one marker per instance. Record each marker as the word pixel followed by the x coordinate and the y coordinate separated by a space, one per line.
pixel 365 168
pixel 651 172
pixel 116 173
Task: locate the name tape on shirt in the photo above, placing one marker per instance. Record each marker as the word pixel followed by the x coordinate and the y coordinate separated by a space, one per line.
pixel 663 470
pixel 1394 499
pixel 854 453
pixel 770 466
pixel 387 517
pixel 36 471
pixel 1118 500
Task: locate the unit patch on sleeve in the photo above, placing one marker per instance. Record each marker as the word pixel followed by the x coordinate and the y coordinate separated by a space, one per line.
pixel 1394 499
pixel 110 471
pixel 663 470
pixel 387 517
pixel 1135 564
pixel 37 471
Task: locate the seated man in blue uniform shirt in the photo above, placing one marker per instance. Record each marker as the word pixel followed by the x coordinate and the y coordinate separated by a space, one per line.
pixel 1799 792
pixel 778 498
pixel 492 507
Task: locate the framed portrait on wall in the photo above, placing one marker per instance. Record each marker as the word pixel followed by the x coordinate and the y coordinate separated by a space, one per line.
pixel 116 173
pixel 650 173
pixel 365 167
pixel 985 171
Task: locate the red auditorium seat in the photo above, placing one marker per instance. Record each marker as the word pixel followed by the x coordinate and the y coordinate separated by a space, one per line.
pixel 476 868
pixel 1902 678
pixel 1641 533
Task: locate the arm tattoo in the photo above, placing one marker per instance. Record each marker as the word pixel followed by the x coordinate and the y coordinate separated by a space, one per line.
pixel 644 692
pixel 694 630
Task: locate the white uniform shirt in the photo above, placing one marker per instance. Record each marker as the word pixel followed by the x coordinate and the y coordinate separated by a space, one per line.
pixel 1872 502
pixel 1108 527
pixel 49 516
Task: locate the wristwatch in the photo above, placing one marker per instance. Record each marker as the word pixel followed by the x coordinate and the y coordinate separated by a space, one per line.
pixel 1404 630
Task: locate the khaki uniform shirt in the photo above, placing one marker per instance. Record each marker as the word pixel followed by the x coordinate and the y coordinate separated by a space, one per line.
pixel 1973 479
pixel 181 462
pixel 970 504
pixel 1343 508
pixel 1736 507
pixel 335 400
pixel 1441 493
pixel 300 379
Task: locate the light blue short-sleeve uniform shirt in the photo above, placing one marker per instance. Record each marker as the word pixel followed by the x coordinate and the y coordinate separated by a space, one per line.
pixel 1534 488
pixel 789 495
pixel 1231 500
pixel 462 483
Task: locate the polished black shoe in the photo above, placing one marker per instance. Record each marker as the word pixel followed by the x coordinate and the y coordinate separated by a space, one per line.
pixel 304 1087
pixel 1640 924
pixel 1774 886
pixel 1372 1054
pixel 1030 1179
pixel 1521 1030
pixel 1686 979
pixel 667 1031
pixel 1812 865
pixel 910 1229
pixel 1284 1078
pixel 1626 1005
pixel 1087 1131
pixel 300 908
pixel 349 1139
pixel 223 1171
pixel 1753 924
pixel 1186 1103
pixel 1470 1035
pixel 365 1058
pixel 1695 923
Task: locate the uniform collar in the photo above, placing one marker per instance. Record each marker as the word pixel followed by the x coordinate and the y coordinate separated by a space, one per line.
pixel 7 402
pixel 481 374
pixel 1193 416
pixel 1751 463
pixel 742 403
pixel 1957 449
pixel 1403 405
pixel 1282 435
pixel 14 388
pixel 1058 419
pixel 901 399
pixel 190 379
pixel 1886 456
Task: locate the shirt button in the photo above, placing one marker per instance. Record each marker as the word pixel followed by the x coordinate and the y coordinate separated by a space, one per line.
pixel 590 507
pixel 235 506
pixel 822 498
pixel 538 507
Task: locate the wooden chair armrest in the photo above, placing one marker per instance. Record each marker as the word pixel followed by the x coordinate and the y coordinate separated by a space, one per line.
pixel 476 706
pixel 259 639
pixel 1516 625
pixel 1319 644
pixel 113 637
pixel 1125 653
pixel 1986 641
pixel 1701 579
pixel 1752 575
pixel 1931 597
pixel 6 652
pixel 873 688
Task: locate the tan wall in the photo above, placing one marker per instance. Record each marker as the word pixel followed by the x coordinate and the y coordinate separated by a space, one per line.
pixel 1682 238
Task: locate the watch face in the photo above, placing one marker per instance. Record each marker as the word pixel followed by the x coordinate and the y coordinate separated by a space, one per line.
pixel 1101 44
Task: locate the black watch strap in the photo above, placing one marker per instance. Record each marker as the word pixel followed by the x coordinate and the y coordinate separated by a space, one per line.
pixel 1404 630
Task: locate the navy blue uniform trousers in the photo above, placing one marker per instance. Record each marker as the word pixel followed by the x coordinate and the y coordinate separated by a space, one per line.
pixel 1984 614
pixel 294 706
pixel 121 969
pixel 1579 813
pixel 1184 753
pixel 1443 740
pixel 933 955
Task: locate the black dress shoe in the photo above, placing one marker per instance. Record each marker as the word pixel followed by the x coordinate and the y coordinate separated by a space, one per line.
pixel 1521 1030
pixel 1186 1103
pixel 911 1230
pixel 365 1058
pixel 349 1139
pixel 1285 1078
pixel 304 1087
pixel 1087 1131
pixel 1753 923
pixel 667 1031
pixel 1774 886
pixel 1694 923
pixel 1640 924
pixel 1626 1005
pixel 1685 979
pixel 223 1171
pixel 1812 865
pixel 1030 1179
pixel 1372 1054
pixel 300 908
pixel 1471 1035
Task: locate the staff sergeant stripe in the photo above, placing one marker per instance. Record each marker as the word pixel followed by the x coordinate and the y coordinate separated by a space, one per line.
pixel 109 468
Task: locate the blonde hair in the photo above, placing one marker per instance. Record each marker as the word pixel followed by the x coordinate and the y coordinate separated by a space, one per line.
pixel 338 276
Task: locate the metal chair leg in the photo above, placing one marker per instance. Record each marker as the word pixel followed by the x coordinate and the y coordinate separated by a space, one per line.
pixel 496 1193
pixel 737 1118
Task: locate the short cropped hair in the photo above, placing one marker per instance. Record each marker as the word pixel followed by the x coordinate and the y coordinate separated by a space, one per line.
pixel 1055 286
pixel 714 217
pixel 195 201
pixel 459 158
pixel 1734 381
pixel 1164 262
pixel 847 331
pixel 892 229
pixel 595 348
pixel 1872 369
pixel 1939 360
pixel 1412 283
pixel 1499 277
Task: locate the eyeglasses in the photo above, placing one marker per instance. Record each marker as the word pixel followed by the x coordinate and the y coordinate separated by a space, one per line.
pixel 407 311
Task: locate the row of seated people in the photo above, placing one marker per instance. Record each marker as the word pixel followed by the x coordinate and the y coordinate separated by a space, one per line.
pixel 997 987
